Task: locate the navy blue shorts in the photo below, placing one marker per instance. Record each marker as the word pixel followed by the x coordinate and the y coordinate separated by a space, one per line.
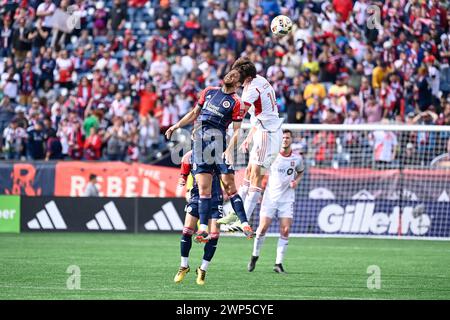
pixel 216 210
pixel 207 154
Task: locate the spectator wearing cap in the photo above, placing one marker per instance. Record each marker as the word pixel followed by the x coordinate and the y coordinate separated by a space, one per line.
pixel 20 117
pixel 36 142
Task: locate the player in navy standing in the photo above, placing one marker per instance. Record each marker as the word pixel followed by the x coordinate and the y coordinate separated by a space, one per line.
pixel 216 109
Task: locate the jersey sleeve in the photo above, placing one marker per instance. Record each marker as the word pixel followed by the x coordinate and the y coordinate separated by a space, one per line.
pixel 185 166
pixel 201 98
pixel 238 111
pixel 203 94
pixel 250 95
pixel 300 167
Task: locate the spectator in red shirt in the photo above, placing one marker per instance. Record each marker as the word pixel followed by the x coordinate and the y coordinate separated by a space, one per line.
pixel 148 100
pixel 344 7
pixel 93 145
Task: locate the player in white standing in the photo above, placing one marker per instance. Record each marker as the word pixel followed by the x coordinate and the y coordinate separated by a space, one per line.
pixel 259 98
pixel 279 196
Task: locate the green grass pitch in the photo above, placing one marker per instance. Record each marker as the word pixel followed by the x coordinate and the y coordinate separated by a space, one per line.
pixel 129 266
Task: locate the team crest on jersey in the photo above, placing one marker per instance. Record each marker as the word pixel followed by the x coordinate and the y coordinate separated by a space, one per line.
pixel 226 104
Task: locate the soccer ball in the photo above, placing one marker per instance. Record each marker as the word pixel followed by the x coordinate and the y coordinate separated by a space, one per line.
pixel 281 25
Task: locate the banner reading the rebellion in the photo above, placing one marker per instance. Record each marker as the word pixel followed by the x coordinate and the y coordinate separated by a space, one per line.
pixel 116 179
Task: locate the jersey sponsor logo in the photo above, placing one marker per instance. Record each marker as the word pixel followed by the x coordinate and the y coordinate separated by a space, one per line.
pixel 226 104
pixel 290 171
pixel 362 218
pixel 214 109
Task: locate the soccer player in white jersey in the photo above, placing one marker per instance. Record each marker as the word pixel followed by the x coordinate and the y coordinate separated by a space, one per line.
pixel 259 98
pixel 279 197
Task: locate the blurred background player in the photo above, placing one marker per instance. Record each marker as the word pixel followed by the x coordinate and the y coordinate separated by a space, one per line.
pixel 259 97
pixel 279 197
pixel 192 217
pixel 216 108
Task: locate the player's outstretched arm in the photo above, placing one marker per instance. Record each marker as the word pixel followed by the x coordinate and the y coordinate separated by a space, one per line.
pixel 187 119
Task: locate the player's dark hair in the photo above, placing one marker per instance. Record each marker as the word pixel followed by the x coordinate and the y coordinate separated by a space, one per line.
pixel 239 62
pixel 92 177
pixel 247 70
pixel 288 131
pixel 245 67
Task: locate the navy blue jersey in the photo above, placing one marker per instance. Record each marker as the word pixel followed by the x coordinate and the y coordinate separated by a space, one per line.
pixel 219 109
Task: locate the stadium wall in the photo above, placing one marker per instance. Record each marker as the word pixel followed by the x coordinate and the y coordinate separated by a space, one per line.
pixel 338 218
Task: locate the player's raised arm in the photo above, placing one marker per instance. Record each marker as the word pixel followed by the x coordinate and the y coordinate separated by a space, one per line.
pixel 187 119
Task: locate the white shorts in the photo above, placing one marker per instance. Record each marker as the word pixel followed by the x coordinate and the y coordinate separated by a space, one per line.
pixel 282 209
pixel 266 146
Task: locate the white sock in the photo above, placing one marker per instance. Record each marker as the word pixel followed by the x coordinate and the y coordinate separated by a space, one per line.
pixel 203 227
pixel 204 265
pixel 281 249
pixel 251 201
pixel 257 244
pixel 243 189
pixel 184 262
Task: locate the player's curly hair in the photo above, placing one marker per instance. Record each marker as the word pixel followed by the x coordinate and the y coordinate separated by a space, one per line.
pixel 245 67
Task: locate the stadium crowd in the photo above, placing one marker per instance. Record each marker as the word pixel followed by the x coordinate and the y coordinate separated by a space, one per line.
pixel 104 79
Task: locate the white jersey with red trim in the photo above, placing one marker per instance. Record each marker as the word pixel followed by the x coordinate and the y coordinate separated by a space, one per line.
pixel 283 170
pixel 260 97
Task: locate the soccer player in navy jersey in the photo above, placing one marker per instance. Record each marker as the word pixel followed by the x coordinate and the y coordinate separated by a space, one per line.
pixel 216 109
pixel 191 219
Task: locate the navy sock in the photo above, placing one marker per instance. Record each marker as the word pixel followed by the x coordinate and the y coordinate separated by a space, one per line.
pixel 238 207
pixel 204 210
pixel 185 244
pixel 210 249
